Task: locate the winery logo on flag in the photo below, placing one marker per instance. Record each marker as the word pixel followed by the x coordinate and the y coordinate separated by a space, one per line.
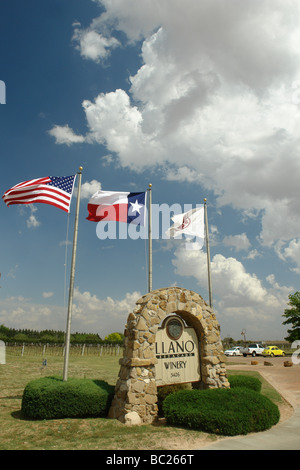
pixel 54 190
pixel 117 206
pixel 188 223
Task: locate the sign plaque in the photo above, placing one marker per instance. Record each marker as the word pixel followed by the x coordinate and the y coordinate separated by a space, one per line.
pixel 177 353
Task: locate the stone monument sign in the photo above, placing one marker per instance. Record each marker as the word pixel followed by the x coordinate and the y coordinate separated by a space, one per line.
pixel 173 322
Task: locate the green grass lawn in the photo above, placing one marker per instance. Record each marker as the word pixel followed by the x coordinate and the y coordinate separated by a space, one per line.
pixel 17 433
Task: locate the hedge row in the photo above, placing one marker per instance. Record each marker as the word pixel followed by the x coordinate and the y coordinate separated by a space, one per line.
pixel 51 397
pixel 238 410
pixel 230 412
pixel 245 381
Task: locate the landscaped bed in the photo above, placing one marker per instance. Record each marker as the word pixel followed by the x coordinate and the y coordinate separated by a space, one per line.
pixel 239 410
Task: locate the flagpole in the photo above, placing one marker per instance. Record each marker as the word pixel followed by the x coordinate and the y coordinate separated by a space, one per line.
pixel 150 238
pixel 208 255
pixel 72 277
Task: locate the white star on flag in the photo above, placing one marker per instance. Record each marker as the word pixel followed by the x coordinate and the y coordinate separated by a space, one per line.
pixel 136 206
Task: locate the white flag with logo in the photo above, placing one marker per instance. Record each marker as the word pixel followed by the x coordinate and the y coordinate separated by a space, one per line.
pixel 188 223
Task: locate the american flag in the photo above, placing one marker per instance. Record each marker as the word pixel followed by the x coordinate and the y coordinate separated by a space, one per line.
pixel 54 190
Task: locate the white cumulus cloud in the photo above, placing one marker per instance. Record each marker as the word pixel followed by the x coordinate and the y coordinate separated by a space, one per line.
pixel 90 313
pixel 93 45
pixel 65 135
pixel 214 100
pixel 239 297
pixel 89 188
pixel 105 315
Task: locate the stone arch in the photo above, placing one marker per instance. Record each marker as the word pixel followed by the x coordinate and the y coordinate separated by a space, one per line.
pixel 136 389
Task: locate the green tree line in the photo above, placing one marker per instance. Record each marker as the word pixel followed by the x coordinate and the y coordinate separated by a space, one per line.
pixel 13 335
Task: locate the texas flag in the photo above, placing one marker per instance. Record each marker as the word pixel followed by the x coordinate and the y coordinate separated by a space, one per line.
pixel 117 206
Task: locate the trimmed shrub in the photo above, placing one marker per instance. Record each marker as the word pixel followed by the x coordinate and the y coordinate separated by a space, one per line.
pixel 164 391
pixel 51 397
pixel 245 381
pixel 227 412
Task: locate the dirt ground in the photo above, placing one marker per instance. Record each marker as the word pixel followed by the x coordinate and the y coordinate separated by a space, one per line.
pixel 286 380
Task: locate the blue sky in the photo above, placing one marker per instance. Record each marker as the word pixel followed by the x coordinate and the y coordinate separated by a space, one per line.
pixel 201 99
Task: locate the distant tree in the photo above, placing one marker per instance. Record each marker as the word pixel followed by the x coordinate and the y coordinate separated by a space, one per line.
pixel 228 341
pixel 85 338
pixel 114 338
pixel 4 333
pixel 78 338
pixel 20 338
pixel 92 338
pixel 292 316
pixel 47 338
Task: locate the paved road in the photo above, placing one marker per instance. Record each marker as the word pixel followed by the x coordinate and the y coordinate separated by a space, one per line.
pixel 283 436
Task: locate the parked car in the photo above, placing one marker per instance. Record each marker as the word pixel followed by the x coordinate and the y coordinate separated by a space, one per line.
pixel 273 351
pixel 235 351
pixel 254 349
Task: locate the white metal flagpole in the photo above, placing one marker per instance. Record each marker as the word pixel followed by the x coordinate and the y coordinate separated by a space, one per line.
pixel 208 255
pixel 150 238
pixel 72 277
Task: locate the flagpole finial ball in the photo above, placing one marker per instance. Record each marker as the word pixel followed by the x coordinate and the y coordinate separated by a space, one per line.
pixel 150 185
pixel 205 199
pixel 80 168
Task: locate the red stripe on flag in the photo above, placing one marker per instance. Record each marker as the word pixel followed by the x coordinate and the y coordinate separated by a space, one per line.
pixel 52 202
pixel 117 213
pixel 58 193
pixel 42 189
pixel 29 183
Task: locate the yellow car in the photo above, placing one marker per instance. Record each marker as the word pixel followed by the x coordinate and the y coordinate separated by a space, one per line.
pixel 273 351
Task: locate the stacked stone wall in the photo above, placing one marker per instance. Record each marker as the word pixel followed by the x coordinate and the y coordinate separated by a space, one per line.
pixel 136 391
